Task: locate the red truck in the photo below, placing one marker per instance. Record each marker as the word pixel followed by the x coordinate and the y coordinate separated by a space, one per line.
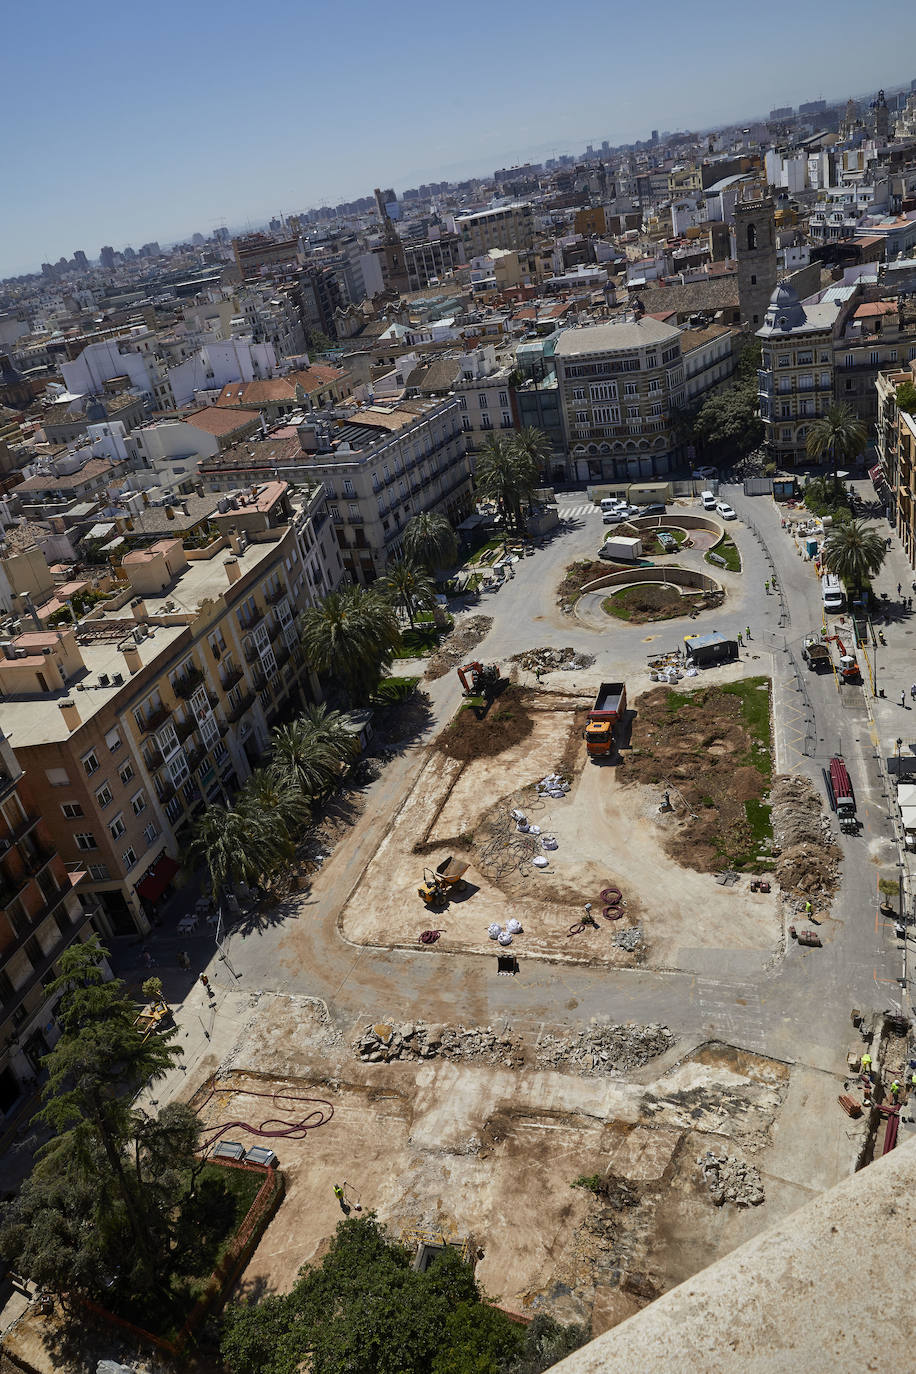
pixel 610 707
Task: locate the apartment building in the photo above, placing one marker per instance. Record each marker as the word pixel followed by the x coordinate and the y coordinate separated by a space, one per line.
pixel 796 374
pixel 507 226
pixel 894 476
pixel 710 359
pixel 162 698
pixel 43 909
pixel 875 336
pixel 619 385
pixel 429 260
pixel 379 464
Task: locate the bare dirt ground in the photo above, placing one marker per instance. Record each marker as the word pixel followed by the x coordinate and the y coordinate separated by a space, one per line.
pixel 463 1150
pixel 607 834
pixel 454 649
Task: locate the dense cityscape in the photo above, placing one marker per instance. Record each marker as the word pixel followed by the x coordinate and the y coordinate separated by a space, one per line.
pixel 507 576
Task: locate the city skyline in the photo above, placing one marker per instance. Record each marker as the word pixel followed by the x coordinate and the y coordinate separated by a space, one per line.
pixel 112 166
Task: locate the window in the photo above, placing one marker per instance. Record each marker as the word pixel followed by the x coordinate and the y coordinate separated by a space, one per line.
pixel 579 392
pixel 786 410
pixel 129 858
pixel 893 355
pixel 503 398
pixel 72 810
pixel 352 511
pixel 486 422
pixel 804 359
pixel 334 512
pixel 150 833
pixel 113 740
pixel 217 644
pixel 849 360
pixel 873 360
pixel 655 408
pixel 126 773
pixel 349 489
pixel 581 417
pixel 630 389
pixel 785 435
pixel 104 797
pixel 90 762
pixel 753 279
pixel 99 873
pixel 85 840
pixel 57 777
pixel 483 400
pixel 138 803
pixel 117 827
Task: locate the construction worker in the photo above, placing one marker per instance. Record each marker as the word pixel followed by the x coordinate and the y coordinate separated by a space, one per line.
pixel 740 639
pixel 339 1194
pixel 747 632
pixel 895 1090
pixel 767 586
pixel 205 981
pixel 539 673
pixel 866 1063
pixel 808 909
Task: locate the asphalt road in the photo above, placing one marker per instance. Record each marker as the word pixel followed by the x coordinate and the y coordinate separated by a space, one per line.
pixel 794 1006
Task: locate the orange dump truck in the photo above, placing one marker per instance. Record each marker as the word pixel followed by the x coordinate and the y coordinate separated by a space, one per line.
pixel 610 707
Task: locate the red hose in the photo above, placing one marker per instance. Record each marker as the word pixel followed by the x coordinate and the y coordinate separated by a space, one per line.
pixel 271 1128
pixel 429 937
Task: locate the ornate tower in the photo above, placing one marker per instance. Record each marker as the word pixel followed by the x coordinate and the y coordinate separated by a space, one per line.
pixel 755 249
pixel 881 116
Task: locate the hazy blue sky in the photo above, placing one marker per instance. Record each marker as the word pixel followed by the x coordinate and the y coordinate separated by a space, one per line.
pixel 127 122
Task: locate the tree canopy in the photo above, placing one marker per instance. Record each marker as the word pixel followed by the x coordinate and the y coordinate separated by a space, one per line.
pixel 365 1310
pixel 351 637
pixel 728 421
pixel 507 473
pixel 430 540
pixel 839 435
pixel 854 552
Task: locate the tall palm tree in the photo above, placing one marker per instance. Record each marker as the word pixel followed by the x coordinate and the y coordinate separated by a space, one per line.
pixel 855 552
pixel 406 585
pixel 430 540
pixel 351 636
pixel 497 476
pixel 232 844
pixel 302 759
pixel 840 433
pixel 534 444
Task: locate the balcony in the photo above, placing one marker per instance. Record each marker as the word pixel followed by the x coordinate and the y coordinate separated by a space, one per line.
pixel 252 653
pixel 231 678
pixel 256 616
pixel 195 757
pixel 276 595
pixel 41 970
pixel 187 684
pixel 7 784
pixel 153 759
pixel 22 829
pixel 184 729
pixel 165 790
pixel 156 719
pixel 281 654
pixel 259 680
pixel 273 630
pixel 237 712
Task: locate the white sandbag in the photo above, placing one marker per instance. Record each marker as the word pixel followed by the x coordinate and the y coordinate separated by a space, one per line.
pixel 494 931
pixel 513 926
pixel 539 861
pixel 504 937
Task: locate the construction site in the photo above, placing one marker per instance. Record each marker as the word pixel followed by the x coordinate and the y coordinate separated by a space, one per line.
pixel 582 1175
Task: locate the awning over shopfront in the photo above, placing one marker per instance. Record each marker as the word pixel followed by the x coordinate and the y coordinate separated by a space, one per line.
pixel 155 883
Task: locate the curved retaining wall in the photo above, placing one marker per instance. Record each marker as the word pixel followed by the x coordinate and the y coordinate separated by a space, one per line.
pixel 675 520
pixel 676 577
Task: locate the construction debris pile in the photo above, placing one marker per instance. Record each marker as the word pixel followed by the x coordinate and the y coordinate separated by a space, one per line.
pixel 550 660
pixel 596 1050
pixel 630 939
pixel 603 1049
pixel 807 855
pixel 731 1180
pixel 456 646
pixel 387 1040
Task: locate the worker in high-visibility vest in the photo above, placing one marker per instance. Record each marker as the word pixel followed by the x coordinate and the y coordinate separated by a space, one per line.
pixel 866 1064
pixel 895 1090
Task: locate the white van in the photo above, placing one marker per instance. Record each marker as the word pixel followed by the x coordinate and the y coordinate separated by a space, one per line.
pixel 709 501
pixel 832 594
pixel 611 503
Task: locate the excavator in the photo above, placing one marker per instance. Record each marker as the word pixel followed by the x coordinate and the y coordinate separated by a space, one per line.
pixel 479 679
pixel 849 668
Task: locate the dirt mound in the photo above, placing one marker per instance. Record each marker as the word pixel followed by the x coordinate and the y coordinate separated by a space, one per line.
pixel 507 722
pixel 603 1049
pixel 576 576
pixel 549 659
pixel 709 750
pixel 455 648
pixel 808 857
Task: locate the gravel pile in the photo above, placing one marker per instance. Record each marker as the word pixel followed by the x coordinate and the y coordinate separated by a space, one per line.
pixel 549 660
pixel 604 1049
pixel 388 1040
pixel 731 1180
pixel 807 855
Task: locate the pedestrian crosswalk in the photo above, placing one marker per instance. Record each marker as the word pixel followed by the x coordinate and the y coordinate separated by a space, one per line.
pixel 578 512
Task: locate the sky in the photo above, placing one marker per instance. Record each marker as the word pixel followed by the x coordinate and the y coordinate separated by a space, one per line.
pixel 126 123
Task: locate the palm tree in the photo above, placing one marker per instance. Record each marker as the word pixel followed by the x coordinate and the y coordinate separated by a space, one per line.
pixel 271 798
pixel 232 843
pixel 351 636
pixel 840 433
pixel 406 585
pixel 333 729
pixel 534 444
pixel 855 552
pixel 430 540
pixel 302 759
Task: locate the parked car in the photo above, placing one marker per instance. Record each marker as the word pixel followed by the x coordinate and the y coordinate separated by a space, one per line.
pixel 725 510
pixel 709 500
pixel 614 517
pixel 653 508
pixel 705 473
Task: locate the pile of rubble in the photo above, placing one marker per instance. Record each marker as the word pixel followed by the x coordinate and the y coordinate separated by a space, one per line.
pixel 807 855
pixel 731 1180
pixel 603 1049
pixel 456 646
pixel 387 1040
pixel 630 939
pixel 598 1049
pixel 550 660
